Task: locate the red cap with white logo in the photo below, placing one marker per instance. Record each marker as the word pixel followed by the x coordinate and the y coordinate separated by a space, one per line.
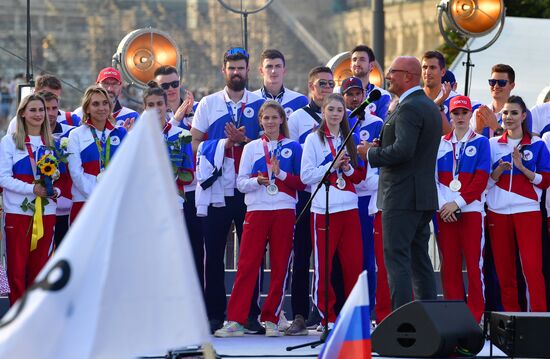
pixel 460 102
pixel 107 73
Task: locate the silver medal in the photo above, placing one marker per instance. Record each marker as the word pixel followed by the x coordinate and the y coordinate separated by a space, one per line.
pixel 98 177
pixel 340 183
pixel 272 189
pixel 455 185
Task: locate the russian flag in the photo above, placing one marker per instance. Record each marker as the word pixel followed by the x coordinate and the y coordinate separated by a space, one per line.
pixel 350 337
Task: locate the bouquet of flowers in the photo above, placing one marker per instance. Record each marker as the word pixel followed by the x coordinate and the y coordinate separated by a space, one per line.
pixel 177 156
pixel 48 167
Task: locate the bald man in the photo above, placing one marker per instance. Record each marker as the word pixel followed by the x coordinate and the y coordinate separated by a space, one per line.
pixel 407 192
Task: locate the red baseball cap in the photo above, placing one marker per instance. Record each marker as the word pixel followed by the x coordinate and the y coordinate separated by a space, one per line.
pixel 107 73
pixel 460 102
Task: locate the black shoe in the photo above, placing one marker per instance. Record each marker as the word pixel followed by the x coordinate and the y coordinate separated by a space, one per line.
pixel 314 319
pixel 253 326
pixel 215 324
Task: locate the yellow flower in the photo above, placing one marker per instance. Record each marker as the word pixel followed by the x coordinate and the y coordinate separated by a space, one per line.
pixel 48 169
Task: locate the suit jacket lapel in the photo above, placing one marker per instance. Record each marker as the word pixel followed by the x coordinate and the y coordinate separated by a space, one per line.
pixel 388 120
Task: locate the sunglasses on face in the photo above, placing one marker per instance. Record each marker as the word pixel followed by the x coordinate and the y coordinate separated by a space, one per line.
pixel 325 83
pixel 501 83
pixel 167 85
pixel 237 51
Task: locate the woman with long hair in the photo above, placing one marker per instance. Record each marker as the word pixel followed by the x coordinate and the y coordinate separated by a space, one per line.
pixel 269 175
pixel 320 149
pixel 462 172
pixel 520 166
pixel 92 145
pixel 28 235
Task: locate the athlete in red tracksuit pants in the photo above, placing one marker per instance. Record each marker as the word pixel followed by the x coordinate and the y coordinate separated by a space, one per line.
pixel 19 155
pixel 269 177
pixel 462 172
pixel 382 307
pixel 320 149
pixel 91 146
pixel 520 171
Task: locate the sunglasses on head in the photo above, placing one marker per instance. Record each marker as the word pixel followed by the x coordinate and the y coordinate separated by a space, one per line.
pixel 167 85
pixel 501 83
pixel 237 51
pixel 324 83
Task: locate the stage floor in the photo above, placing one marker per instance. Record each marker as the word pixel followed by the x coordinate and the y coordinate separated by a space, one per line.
pixel 258 346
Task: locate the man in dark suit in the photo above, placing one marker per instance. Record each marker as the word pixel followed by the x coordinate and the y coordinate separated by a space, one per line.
pixel 407 192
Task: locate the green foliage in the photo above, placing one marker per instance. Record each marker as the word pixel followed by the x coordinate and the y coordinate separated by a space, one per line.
pixel 31 205
pixel 450 52
pixel 528 8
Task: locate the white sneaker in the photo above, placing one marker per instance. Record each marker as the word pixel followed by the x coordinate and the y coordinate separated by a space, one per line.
pixel 271 330
pixel 230 329
pixel 283 322
pixel 320 327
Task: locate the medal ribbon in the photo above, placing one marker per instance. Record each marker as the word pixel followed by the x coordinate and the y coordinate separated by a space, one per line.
pixel 457 155
pixel 267 155
pixel 103 147
pixel 236 119
pixel 329 137
pixel 37 223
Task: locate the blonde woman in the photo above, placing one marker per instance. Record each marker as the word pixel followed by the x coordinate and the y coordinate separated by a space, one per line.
pixel 28 236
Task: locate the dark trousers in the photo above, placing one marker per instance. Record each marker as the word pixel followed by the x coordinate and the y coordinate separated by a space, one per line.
pixel 61 228
pixel 215 228
pixel 301 262
pixel 194 228
pixel 406 234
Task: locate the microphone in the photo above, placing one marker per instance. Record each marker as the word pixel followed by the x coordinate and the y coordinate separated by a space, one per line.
pixel 374 95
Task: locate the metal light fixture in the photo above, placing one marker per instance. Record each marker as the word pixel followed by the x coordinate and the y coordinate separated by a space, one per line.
pixel 340 66
pixel 471 18
pixel 143 51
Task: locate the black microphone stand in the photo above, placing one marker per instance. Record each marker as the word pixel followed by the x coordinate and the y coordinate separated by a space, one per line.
pixel 359 113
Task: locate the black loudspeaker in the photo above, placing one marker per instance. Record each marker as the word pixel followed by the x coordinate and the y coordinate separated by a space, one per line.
pixel 425 329
pixel 4 306
pixel 525 335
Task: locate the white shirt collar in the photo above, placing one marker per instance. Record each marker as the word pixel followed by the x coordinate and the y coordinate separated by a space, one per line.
pixel 408 92
pixel 227 99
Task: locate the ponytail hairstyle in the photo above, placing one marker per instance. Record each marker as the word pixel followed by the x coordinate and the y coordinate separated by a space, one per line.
pixel 153 89
pixel 519 101
pixel 351 148
pixel 21 128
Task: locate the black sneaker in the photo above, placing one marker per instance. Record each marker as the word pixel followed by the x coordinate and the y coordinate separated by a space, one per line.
pixel 215 324
pixel 253 326
pixel 314 319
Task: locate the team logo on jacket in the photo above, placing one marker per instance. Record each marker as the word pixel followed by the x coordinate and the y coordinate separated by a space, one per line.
pixel 115 140
pixel 288 111
pixel 527 155
pixel 470 151
pixel 249 112
pixel 286 152
pixel 364 134
pixel 372 108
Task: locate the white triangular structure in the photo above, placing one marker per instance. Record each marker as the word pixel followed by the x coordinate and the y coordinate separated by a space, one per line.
pixel 133 289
